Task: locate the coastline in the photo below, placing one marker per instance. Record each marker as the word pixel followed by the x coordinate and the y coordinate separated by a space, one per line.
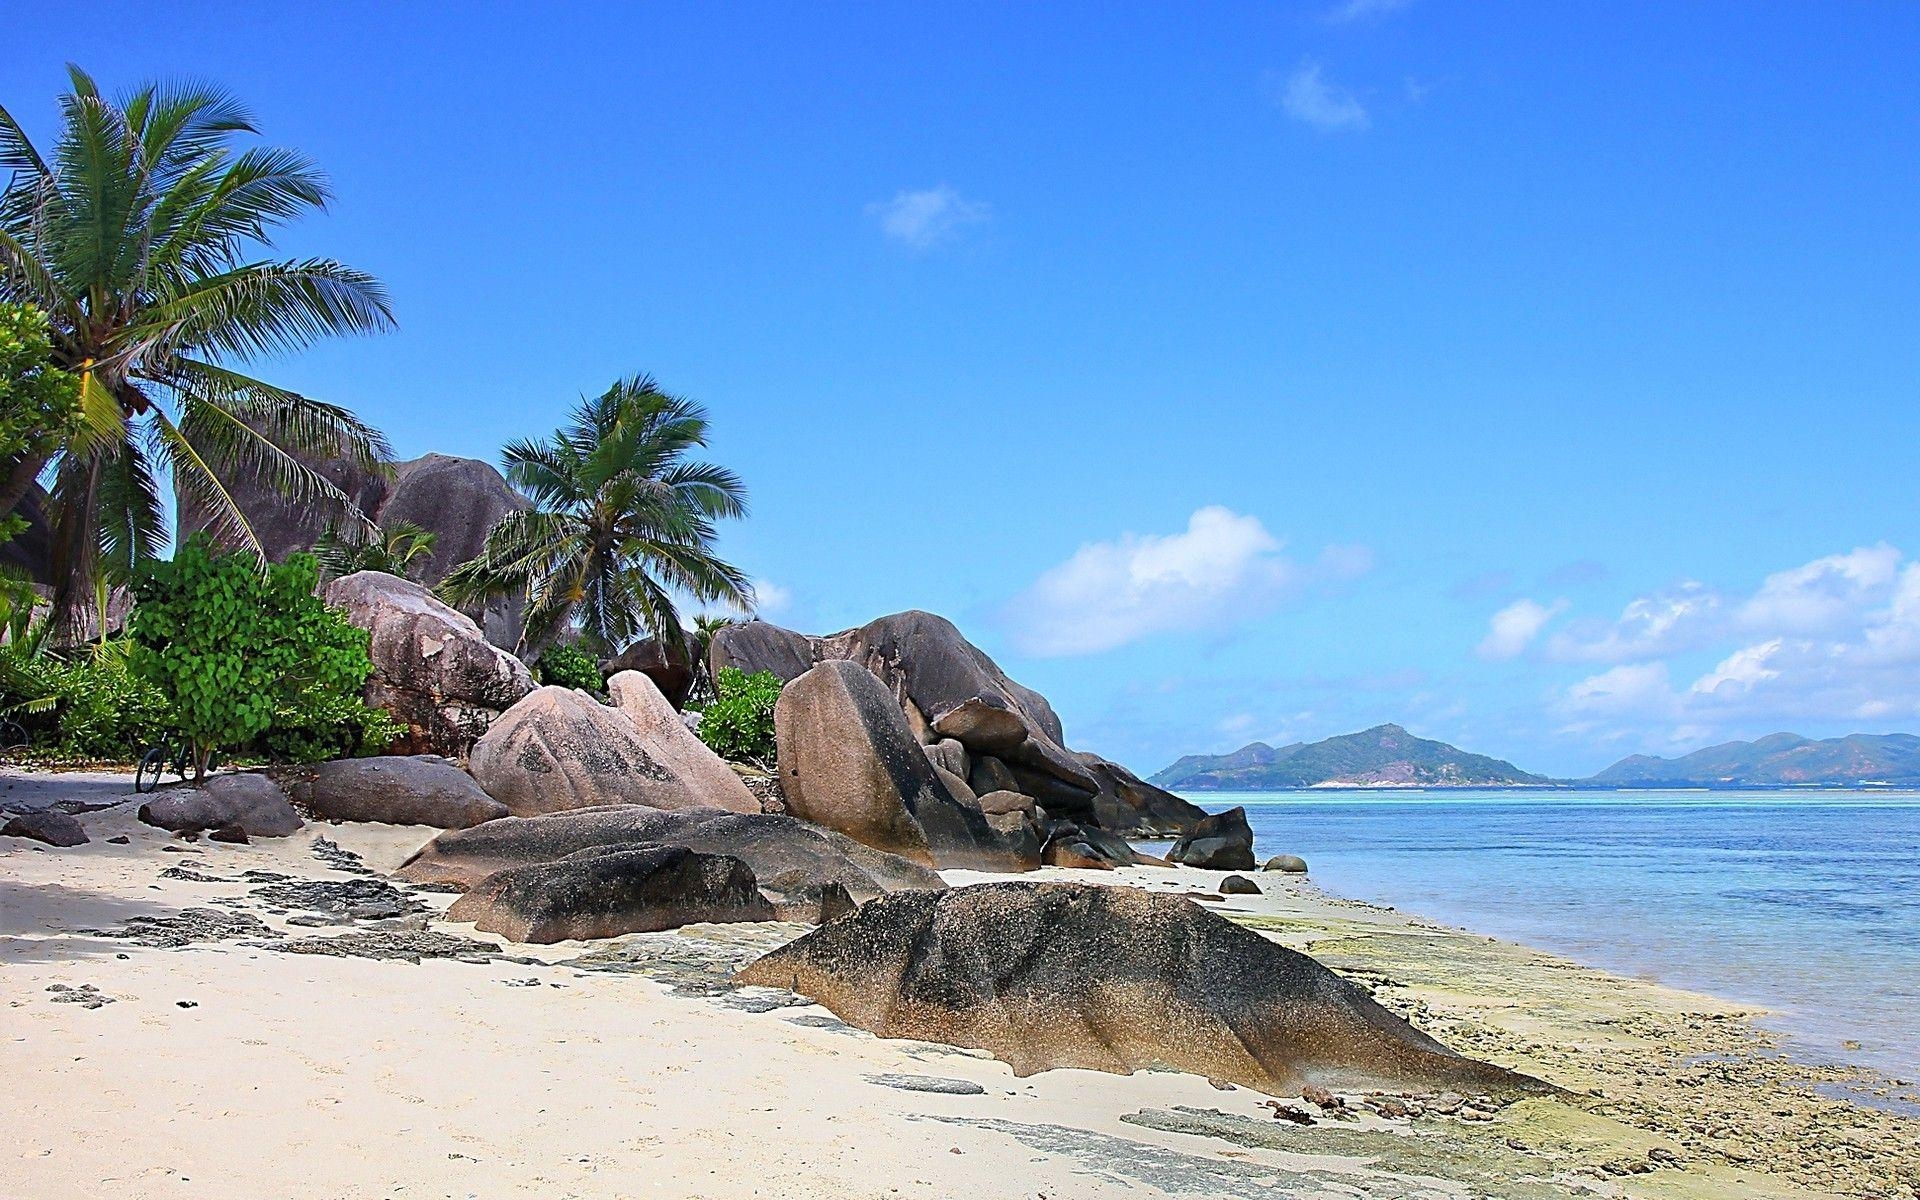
pixel 326 1074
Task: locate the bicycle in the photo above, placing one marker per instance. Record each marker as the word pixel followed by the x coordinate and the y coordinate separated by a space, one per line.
pixel 13 737
pixel 167 758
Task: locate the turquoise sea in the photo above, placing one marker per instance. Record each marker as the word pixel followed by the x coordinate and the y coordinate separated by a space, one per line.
pixel 1807 903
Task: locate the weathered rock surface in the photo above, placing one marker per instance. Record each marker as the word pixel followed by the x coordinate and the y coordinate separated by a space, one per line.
pixel 848 762
pixel 1220 842
pixel 787 854
pixel 605 891
pixel 432 667
pixel 997 803
pixel 245 799
pixel 1071 845
pixel 668 740
pixel 1239 885
pixel 1129 804
pixel 458 500
pixel 949 755
pixel 755 646
pixel 666 665
pixel 285 526
pixel 1293 864
pixel 422 789
pixel 561 749
pixel 1046 975
pixel 45 825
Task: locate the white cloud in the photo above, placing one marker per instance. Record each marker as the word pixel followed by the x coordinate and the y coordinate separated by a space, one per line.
pixel 1224 569
pixel 1308 97
pixel 1824 593
pixel 921 220
pixel 1511 630
pixel 1363 10
pixel 1832 641
pixel 769 597
pixel 1649 626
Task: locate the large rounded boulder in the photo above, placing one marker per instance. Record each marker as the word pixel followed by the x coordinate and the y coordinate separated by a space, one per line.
pixel 848 761
pixel 668 740
pixel 459 501
pixel 666 663
pixel 246 799
pixel 391 789
pixel 561 749
pixel 1221 841
pixel 432 667
pixel 1046 975
pixel 781 851
pixel 604 892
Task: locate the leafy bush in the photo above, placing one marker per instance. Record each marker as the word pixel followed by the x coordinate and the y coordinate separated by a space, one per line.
pixel 738 722
pixel 244 653
pixel 89 707
pixel 319 726
pixel 571 667
pixel 39 403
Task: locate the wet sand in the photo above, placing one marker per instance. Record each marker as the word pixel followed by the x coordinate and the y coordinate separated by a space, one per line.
pixel 177 1026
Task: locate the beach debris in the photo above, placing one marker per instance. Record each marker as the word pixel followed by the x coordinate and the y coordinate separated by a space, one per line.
pixel 1050 974
pixel 119 839
pixel 340 899
pixel 188 927
pixel 399 945
pixel 339 857
pixel 85 995
pixel 1288 1112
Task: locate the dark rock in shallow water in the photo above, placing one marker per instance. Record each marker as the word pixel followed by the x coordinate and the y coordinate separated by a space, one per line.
pixel 1220 842
pixel 1046 975
pixel 392 789
pixel 247 799
pixel 53 828
pixel 774 847
pixel 606 891
pixel 1290 863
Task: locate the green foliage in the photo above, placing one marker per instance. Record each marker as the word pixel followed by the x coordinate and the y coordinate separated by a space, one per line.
pixel 738 722
pixel 39 405
pixel 571 667
pixel 399 550
pixel 244 653
pixel 88 707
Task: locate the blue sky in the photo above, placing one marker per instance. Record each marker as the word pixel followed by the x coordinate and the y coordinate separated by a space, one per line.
pixel 1540 376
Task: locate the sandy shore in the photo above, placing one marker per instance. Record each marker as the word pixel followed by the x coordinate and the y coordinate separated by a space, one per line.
pixel 177 1026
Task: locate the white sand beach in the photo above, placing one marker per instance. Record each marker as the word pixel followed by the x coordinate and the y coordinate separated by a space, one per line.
pixel 228 1066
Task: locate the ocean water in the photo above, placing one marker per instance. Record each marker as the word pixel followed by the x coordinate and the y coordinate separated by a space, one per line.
pixel 1808 904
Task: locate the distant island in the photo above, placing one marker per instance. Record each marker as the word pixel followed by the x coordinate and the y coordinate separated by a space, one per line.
pixel 1387 756
pixel 1384 756
pixel 1778 760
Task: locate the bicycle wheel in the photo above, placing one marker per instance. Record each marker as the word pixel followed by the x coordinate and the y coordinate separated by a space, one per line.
pixel 146 776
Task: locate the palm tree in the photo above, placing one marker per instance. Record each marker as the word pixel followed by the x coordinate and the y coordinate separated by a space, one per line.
pixel 398 549
pixel 621 520
pixel 140 236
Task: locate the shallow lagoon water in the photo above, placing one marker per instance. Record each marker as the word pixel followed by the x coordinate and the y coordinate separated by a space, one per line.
pixel 1806 903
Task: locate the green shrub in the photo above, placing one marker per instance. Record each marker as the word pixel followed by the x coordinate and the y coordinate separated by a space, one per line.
pixel 738 722
pixel 243 653
pixel 89 707
pixel 571 667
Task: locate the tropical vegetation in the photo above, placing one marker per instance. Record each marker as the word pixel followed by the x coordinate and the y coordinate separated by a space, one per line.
pixel 571 667
pixel 621 519
pixel 243 654
pixel 39 403
pixel 738 722
pixel 142 233
pixel 401 548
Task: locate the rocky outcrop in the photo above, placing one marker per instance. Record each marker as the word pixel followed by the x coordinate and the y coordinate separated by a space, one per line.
pixel 432 668
pixel 45 825
pixel 245 800
pixel 667 665
pixel 849 762
pixel 561 749
pixel 1128 804
pixel 670 743
pixel 458 500
pixel 1045 975
pixel 30 552
pixel 393 790
pixel 284 526
pixel 607 891
pixel 1220 842
pixel 755 646
pixel 785 854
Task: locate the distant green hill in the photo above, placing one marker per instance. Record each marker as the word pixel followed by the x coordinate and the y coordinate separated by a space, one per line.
pixel 1779 760
pixel 1384 756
